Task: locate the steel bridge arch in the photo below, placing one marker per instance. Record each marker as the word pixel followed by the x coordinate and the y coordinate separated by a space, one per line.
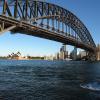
pixel 29 16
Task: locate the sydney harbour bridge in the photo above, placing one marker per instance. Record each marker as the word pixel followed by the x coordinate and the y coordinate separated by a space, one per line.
pixel 47 21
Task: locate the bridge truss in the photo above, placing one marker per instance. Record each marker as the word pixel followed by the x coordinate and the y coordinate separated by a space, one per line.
pixel 44 20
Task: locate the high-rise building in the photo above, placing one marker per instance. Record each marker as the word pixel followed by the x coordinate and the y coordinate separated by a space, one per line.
pixel 56 56
pixel 73 54
pixel 63 53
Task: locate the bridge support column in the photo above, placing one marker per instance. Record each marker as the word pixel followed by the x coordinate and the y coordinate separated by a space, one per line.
pixel 1 27
pixel 91 56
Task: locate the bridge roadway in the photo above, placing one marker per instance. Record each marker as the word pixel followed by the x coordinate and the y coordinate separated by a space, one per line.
pixel 23 27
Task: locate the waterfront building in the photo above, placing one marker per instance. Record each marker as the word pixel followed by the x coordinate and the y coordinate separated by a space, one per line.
pixel 16 56
pixel 62 55
pixel 51 57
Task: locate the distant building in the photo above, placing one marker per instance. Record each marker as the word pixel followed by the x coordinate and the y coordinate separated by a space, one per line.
pixel 51 57
pixel 16 56
pixel 98 52
pixel 73 54
pixel 56 56
pixel 63 53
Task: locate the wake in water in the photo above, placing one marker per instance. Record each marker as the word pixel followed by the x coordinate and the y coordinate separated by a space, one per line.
pixel 95 86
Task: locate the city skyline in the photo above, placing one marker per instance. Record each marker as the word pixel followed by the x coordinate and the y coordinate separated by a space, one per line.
pixel 85 10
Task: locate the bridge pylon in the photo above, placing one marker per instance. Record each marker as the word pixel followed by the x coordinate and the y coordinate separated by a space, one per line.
pixel 91 56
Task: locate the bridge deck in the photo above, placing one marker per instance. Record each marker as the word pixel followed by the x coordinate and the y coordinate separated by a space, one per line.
pixel 26 28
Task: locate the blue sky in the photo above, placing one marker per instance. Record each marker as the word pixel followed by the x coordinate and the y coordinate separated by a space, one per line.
pixel 87 10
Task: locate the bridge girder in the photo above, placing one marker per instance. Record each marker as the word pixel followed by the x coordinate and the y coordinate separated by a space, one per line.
pixel 48 17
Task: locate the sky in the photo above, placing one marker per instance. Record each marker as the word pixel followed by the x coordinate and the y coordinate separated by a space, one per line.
pixel 88 11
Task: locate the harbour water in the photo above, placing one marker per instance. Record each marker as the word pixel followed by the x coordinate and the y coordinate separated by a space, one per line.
pixel 49 80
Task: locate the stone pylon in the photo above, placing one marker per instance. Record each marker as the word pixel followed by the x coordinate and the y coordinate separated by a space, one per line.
pixel 91 56
pixel 98 52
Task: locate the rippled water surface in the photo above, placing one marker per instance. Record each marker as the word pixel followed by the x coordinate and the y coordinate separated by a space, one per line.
pixel 49 80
